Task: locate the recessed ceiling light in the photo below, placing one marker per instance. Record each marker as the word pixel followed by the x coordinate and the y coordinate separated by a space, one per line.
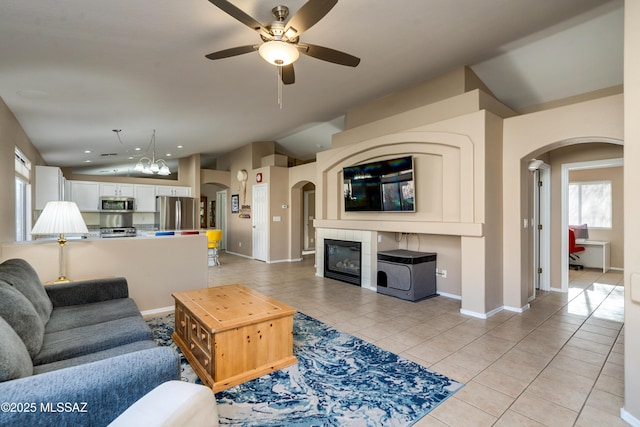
pixel 180 146
pixel 168 155
pixel 87 161
pixel 87 151
pixel 137 149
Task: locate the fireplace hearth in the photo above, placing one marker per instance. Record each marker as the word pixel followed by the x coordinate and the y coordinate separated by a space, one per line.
pixel 342 261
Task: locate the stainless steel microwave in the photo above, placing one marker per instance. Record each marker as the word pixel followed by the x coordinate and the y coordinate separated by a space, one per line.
pixel 117 204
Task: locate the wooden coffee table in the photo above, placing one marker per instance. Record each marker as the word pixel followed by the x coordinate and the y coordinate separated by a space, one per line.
pixel 232 334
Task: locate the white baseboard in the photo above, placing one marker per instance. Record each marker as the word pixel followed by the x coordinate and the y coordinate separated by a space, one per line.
pixel 160 310
pixel 481 315
pixel 626 416
pixel 517 309
pixel 284 260
pixel 452 296
pixel 240 255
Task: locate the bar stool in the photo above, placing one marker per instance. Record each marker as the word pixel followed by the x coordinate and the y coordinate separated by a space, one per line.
pixel 214 237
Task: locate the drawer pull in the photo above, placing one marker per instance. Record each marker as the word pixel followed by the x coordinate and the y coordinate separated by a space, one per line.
pixel 194 326
pixel 206 362
pixel 192 346
pixel 183 323
pixel 204 337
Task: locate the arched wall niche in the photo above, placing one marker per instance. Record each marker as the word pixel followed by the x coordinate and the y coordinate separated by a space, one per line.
pixel 444 171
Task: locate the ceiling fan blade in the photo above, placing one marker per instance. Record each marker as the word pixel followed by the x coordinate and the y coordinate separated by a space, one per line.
pixel 307 16
pixel 330 55
pixel 234 51
pixel 241 16
pixel 288 75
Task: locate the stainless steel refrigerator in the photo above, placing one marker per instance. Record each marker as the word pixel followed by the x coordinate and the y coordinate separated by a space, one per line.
pixel 176 213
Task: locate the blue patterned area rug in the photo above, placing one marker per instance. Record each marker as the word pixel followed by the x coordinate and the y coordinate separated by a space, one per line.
pixel 340 380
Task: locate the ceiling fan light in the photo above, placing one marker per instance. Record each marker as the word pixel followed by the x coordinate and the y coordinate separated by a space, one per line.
pixel 278 52
pixel 164 170
pixel 139 167
pixel 154 168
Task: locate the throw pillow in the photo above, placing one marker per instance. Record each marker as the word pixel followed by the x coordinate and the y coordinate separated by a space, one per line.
pixel 14 358
pixel 21 275
pixel 18 312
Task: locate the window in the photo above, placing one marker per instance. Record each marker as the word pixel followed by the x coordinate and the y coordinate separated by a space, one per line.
pixel 23 196
pixel 590 203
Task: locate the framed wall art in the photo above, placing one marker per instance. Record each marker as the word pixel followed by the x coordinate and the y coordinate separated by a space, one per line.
pixel 235 203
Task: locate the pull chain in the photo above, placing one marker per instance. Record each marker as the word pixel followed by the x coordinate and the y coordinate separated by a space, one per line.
pixel 280 87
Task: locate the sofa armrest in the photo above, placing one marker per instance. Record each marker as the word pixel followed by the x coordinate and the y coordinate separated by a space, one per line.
pixel 87 291
pixel 172 404
pixel 93 394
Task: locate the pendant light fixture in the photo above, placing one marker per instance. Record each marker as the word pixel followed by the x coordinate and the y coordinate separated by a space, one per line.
pixel 152 166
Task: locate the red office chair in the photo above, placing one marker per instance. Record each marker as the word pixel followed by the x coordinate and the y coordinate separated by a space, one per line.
pixel 574 250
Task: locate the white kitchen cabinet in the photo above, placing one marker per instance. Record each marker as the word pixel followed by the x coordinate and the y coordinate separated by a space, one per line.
pixel 114 189
pixel 86 194
pixel 145 197
pixel 168 190
pixel 49 186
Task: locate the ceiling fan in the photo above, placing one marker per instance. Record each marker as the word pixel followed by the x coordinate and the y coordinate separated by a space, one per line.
pixel 281 40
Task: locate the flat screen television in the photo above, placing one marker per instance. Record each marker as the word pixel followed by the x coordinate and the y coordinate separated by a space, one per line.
pixel 382 186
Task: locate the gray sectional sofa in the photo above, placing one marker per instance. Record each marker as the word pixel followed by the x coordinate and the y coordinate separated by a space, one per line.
pixel 75 353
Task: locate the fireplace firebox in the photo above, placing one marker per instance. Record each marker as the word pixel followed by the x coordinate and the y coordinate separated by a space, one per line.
pixel 342 260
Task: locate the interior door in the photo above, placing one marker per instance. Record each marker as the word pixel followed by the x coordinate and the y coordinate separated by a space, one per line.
pixel 260 221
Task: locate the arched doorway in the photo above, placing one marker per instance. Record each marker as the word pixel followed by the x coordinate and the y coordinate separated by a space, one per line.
pixel 562 157
pixel 303 239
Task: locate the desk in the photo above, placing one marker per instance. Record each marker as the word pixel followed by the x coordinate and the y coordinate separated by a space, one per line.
pixel 596 255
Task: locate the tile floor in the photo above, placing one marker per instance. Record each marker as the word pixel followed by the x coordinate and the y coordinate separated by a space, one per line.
pixel 558 364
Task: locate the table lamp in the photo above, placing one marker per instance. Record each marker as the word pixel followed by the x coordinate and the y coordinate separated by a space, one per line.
pixel 59 217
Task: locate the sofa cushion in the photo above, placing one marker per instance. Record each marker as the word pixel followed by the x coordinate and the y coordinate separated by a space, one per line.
pixel 21 275
pixel 92 338
pixel 94 357
pixel 15 361
pixel 74 316
pixel 20 314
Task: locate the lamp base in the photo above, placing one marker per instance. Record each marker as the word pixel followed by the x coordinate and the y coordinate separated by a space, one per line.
pixel 62 279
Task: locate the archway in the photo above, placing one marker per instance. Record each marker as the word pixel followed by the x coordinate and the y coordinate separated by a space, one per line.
pixel 563 156
pixel 302 216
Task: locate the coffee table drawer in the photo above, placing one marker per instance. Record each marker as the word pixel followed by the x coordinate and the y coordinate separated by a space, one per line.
pixel 183 321
pixel 201 356
pixel 200 335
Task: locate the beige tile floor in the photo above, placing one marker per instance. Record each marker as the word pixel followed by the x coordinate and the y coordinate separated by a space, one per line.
pixel 558 364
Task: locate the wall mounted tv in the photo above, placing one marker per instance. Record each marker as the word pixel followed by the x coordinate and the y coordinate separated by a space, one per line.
pixel 382 186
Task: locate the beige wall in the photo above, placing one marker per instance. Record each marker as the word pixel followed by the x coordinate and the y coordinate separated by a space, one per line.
pixel 632 212
pixel 12 135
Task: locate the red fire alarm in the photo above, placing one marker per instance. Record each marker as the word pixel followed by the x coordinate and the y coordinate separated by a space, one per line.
pixel 259 177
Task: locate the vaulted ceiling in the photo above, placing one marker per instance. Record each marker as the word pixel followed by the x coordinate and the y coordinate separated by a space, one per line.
pixel 74 71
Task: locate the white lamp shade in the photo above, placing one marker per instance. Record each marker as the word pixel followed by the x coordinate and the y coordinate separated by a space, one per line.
pixel 278 53
pixel 60 217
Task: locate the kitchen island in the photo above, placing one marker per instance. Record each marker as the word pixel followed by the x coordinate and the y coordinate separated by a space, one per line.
pixel 155 267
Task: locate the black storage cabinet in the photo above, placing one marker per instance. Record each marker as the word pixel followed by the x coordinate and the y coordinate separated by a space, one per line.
pixel 405 274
